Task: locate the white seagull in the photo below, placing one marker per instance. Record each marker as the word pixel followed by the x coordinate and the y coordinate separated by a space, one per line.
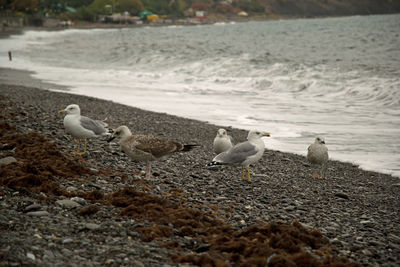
pixel 318 155
pixel 222 142
pixel 81 127
pixel 147 148
pixel 244 153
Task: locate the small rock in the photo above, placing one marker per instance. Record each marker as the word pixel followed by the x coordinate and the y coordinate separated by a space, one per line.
pixel 7 160
pixel 66 252
pixel 336 241
pixel 38 213
pixel 109 261
pixel 33 207
pixel 137 263
pixel 342 195
pixel 92 226
pixel 376 243
pixel 79 200
pixel 48 254
pixel 71 189
pixel 30 256
pixel 394 238
pixel 367 252
pixel 67 240
pixel 290 208
pixel 367 223
pixel 68 204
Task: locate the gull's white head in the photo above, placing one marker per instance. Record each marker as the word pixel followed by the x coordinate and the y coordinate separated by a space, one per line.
pixel 319 140
pixel 72 109
pixel 120 132
pixel 254 134
pixel 222 133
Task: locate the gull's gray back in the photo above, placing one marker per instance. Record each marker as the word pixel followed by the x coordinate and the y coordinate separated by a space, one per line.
pixel 237 154
pixel 98 127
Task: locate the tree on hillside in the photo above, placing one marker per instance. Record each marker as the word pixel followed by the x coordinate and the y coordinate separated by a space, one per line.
pixel 132 6
pixel 101 6
pixel 254 6
pixel 157 6
pixel 27 6
pixel 77 3
pixel 177 7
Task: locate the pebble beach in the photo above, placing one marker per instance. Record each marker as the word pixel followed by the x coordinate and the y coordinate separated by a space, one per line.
pixel 58 209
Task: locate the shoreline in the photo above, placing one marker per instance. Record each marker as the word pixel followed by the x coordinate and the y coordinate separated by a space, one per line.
pixel 24 78
pixel 356 210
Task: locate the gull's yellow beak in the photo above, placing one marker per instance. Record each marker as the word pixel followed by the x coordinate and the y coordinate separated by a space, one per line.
pixel 266 134
pixel 62 111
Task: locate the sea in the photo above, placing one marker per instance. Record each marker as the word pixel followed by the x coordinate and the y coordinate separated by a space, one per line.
pixel 338 78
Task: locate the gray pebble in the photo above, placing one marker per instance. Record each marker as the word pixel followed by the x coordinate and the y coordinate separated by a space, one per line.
pixel 92 226
pixel 38 213
pixel 367 223
pixel 68 204
pixel 79 200
pixel 48 254
pixel 67 240
pixel 33 207
pixel 30 255
pixel 7 160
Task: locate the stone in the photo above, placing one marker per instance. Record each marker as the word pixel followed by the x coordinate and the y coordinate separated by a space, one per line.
pixel 367 252
pixel 68 204
pixel 67 240
pixel 33 207
pixel 66 252
pixel 71 189
pixel 92 226
pixel 6 161
pixel 367 223
pixel 38 213
pixel 137 263
pixel 30 256
pixel 79 200
pixel 48 254
pixel 341 195
pixel 394 238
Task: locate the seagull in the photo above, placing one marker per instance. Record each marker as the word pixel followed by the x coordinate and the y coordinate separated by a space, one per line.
pixel 244 153
pixel 81 127
pixel 318 155
pixel 222 142
pixel 146 147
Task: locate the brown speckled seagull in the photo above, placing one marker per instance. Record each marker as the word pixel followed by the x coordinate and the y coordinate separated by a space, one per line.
pixel 146 148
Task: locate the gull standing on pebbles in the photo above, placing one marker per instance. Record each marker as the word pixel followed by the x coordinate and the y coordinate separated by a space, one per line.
pixel 81 127
pixel 244 153
pixel 145 147
pixel 318 155
pixel 222 142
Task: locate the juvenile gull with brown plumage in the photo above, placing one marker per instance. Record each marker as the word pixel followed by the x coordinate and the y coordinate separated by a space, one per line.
pixel 147 148
pixel 317 154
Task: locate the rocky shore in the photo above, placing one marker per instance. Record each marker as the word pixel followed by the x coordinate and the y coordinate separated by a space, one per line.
pixel 57 209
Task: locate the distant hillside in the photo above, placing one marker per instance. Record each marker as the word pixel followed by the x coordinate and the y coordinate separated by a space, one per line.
pixel 312 8
pixel 91 10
